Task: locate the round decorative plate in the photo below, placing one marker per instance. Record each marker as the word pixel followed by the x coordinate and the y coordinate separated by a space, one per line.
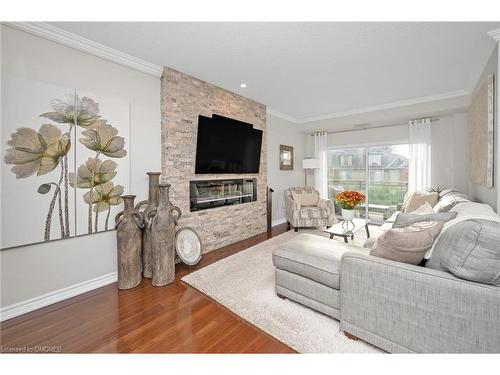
pixel 188 246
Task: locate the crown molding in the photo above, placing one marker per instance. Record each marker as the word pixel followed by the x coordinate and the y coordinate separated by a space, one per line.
pixel 495 34
pixel 275 113
pixel 381 107
pixel 55 34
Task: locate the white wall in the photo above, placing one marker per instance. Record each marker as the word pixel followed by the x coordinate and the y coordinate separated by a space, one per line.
pixel 449 147
pixel 450 160
pixel 477 192
pixel 280 131
pixel 30 271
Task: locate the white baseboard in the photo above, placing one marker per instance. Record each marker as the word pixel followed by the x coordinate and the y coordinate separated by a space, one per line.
pixel 278 222
pixel 36 303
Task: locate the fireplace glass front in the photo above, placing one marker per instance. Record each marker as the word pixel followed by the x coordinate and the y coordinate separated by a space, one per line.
pixel 208 194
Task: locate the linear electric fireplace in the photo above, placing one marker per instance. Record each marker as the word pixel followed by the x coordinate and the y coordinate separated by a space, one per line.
pixel 207 194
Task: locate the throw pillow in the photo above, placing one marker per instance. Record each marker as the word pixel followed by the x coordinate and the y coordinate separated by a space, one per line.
pixel 443 193
pixel 418 198
pixel 446 203
pixel 409 244
pixel 470 250
pixel 306 200
pixel 369 243
pixel 426 208
pixel 404 219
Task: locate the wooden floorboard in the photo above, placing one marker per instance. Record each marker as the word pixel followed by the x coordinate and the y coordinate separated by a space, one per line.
pixel 172 319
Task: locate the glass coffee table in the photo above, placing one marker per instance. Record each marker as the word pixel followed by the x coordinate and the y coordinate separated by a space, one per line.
pixel 347 229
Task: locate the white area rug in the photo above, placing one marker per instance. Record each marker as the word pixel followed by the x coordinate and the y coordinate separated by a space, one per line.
pixel 244 283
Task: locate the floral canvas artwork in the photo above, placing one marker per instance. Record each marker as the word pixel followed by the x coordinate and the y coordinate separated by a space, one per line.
pixel 67 170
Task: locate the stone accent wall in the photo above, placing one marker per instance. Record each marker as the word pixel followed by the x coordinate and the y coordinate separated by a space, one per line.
pixel 183 98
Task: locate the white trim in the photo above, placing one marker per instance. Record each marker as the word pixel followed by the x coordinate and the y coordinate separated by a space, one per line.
pixel 495 34
pixel 391 105
pixel 282 115
pixel 66 38
pixel 77 42
pixel 374 108
pixel 36 303
pixel 278 222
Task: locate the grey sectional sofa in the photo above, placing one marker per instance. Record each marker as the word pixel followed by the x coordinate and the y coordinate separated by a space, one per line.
pixel 398 307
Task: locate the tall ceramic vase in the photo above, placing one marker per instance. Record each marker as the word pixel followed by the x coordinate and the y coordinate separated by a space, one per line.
pixel 129 224
pixel 151 204
pixel 163 238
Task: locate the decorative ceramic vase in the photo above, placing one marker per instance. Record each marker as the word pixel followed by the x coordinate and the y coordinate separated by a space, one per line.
pixel 151 204
pixel 129 224
pixel 347 214
pixel 163 238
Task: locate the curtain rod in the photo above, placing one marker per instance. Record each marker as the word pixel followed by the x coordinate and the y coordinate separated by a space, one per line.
pixel 360 128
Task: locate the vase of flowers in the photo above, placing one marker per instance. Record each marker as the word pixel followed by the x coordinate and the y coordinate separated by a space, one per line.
pixel 348 200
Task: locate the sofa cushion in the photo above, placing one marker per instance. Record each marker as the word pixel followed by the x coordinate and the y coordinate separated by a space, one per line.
pixel 470 250
pixel 306 200
pixel 404 219
pixel 466 210
pixel 314 257
pixel 313 213
pixel 417 199
pixel 409 244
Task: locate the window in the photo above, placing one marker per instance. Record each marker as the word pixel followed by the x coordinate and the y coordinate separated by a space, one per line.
pixel 384 179
pixel 375 160
pixel 346 160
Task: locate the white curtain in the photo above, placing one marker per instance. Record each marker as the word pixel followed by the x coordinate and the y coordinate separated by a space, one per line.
pixel 321 174
pixel 419 170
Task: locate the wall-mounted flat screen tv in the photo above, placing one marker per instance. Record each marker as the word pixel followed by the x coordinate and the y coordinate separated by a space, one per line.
pixel 225 145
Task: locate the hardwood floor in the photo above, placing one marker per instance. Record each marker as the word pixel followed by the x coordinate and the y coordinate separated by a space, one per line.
pixel 171 319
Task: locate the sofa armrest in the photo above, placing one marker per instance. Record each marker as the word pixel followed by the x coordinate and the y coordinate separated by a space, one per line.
pixel 405 308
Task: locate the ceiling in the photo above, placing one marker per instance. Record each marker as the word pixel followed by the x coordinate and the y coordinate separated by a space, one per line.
pixel 310 70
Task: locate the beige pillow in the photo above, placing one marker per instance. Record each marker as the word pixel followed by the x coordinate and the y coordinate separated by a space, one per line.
pixel 424 209
pixel 408 244
pixel 418 198
pixel 449 201
pixel 306 200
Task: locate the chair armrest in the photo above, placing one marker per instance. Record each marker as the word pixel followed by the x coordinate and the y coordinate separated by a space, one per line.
pixel 328 205
pixel 292 210
pixel 325 203
pixel 292 203
pixel 405 308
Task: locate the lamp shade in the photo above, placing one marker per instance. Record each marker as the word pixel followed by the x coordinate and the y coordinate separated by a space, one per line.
pixel 310 163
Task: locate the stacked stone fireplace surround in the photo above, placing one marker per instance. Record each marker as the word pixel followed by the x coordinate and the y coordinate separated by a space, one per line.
pixel 183 99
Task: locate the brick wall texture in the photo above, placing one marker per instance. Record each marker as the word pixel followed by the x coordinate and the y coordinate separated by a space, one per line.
pixel 183 98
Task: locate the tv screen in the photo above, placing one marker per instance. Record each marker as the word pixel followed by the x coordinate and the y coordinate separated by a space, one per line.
pixel 225 145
